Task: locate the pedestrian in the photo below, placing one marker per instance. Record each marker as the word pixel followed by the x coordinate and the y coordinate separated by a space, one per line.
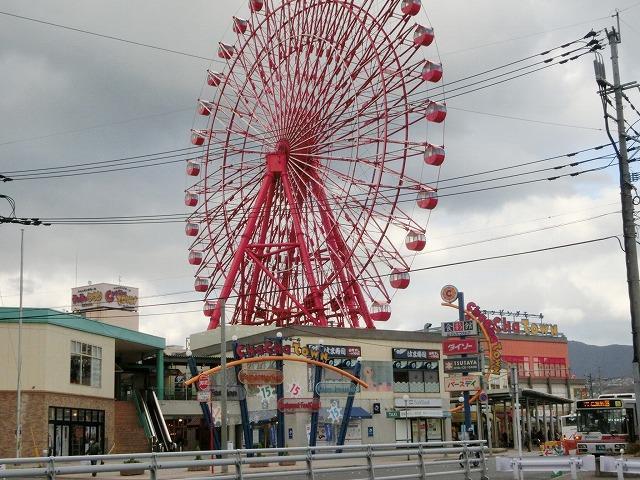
pixel 94 449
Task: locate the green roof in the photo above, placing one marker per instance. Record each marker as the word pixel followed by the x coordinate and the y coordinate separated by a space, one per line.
pixel 76 322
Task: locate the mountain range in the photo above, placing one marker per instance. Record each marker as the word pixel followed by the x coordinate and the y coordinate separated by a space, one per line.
pixel 609 361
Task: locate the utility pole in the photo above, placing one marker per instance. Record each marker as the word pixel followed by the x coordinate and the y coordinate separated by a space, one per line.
pixel 19 387
pixel 629 232
pixel 223 364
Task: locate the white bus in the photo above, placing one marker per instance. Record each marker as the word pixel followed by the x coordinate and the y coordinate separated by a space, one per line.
pixel 605 424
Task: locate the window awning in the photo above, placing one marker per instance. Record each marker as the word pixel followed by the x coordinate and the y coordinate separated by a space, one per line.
pixel 359 412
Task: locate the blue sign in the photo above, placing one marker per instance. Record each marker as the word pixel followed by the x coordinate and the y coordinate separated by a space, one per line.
pixel 369 431
pixel 336 388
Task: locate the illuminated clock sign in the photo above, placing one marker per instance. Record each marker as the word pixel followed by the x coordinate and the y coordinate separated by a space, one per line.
pixel 600 403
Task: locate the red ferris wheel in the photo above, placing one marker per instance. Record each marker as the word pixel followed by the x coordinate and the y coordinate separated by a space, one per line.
pixel 317 133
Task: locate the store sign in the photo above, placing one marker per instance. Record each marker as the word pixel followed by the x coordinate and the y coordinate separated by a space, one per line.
pixel 269 347
pixel 418 402
pixel 104 295
pixel 260 377
pixel 234 392
pixel 336 388
pixel 459 329
pixel 459 346
pixel 461 365
pixel 432 413
pixel 414 354
pixel 299 404
pixel 524 327
pixel 461 383
pixel 489 330
pixel 393 414
pixel 339 351
pixel 413 365
pixel 601 403
pixel 204 396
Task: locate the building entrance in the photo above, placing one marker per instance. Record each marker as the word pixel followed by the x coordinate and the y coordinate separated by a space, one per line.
pixel 71 429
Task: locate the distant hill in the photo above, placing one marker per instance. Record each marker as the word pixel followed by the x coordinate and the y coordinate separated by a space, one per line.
pixel 605 361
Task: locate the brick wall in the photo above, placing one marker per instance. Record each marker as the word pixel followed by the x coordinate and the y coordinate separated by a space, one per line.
pixel 35 419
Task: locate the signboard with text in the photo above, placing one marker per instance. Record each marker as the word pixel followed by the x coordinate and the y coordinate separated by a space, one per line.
pixel 418 402
pixel 104 295
pixel 339 351
pixel 459 346
pixel 461 383
pixel 299 404
pixel 414 354
pixel 459 329
pixel 260 377
pixel 234 392
pixel 462 364
pixel 336 388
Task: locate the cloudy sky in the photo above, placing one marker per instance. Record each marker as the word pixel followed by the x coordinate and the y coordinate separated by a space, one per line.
pixel 70 98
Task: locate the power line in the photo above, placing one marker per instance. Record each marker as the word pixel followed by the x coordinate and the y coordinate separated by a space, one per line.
pixel 420 269
pixel 109 37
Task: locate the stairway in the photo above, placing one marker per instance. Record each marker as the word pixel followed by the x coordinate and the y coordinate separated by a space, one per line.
pixel 129 434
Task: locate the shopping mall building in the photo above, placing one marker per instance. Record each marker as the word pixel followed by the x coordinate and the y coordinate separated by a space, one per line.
pixel 90 374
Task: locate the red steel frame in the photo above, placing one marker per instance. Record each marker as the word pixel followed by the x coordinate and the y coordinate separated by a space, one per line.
pixel 307 158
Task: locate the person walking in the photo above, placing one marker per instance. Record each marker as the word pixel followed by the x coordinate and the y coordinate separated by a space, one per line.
pixel 94 449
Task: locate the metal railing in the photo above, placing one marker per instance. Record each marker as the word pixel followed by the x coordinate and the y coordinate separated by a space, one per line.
pixel 363 462
pixel 520 465
pixel 620 466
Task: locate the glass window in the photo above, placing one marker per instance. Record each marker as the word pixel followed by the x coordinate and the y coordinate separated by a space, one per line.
pixel 85 364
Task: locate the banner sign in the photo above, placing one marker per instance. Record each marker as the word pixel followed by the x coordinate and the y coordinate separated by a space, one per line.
pixel 460 365
pixel 461 383
pixel 459 346
pixel 336 388
pixel 414 354
pixel 269 347
pixel 339 351
pixel 104 295
pixel 261 377
pixel 459 329
pixel 299 404
pixel 489 330
pixel 234 392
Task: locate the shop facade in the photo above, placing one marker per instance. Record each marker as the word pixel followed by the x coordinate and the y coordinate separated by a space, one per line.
pixel 69 387
pixel 405 398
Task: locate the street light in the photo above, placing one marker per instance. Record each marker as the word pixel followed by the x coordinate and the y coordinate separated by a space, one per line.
pixel 405 397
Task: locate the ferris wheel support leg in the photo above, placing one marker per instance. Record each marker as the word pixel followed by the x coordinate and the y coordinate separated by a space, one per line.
pixel 350 286
pixel 267 181
pixel 339 261
pixel 304 252
pixel 253 284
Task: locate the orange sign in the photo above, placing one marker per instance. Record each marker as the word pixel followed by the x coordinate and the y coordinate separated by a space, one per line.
pixel 261 377
pixel 449 293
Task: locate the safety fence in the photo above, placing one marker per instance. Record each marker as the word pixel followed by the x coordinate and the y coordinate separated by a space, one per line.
pixel 521 465
pixel 620 466
pixel 362 462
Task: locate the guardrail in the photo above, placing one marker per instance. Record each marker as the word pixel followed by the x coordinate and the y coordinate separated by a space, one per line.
pixel 363 462
pixel 519 465
pixel 620 466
